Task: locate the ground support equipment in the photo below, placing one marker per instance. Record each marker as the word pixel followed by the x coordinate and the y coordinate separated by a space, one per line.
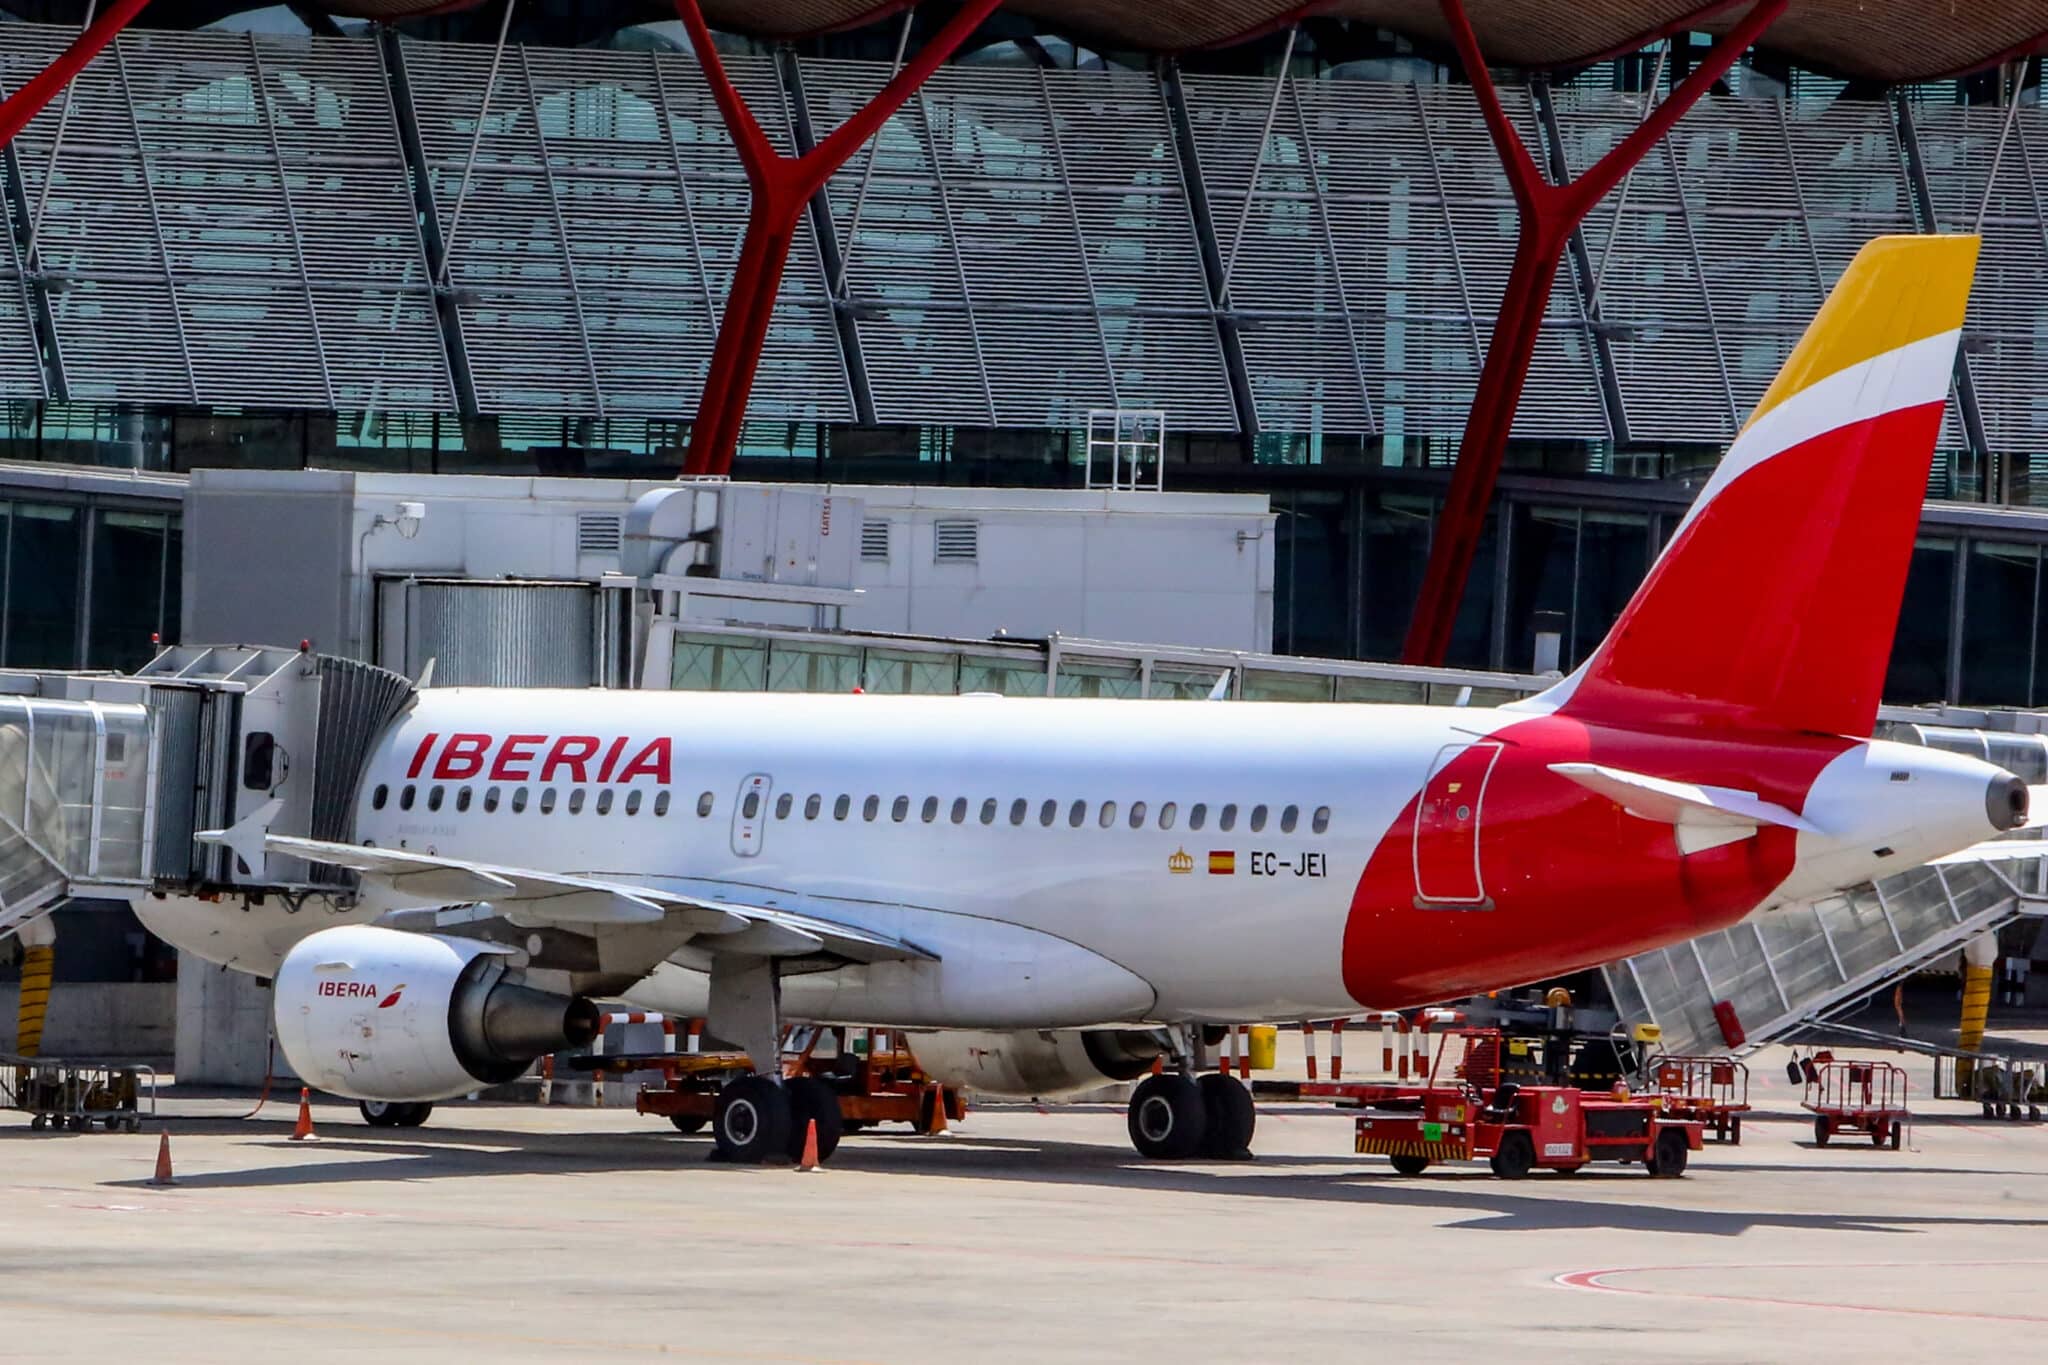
pixel 1855 1097
pixel 846 1079
pixel 1711 1091
pixel 77 1096
pixel 1463 1111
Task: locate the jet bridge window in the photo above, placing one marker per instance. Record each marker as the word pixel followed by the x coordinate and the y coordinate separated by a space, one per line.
pixel 490 799
pixel 1107 817
pixel 518 800
pixel 931 809
pixel 1166 814
pixel 1198 815
pixel 379 797
pixel 575 800
pixel 1321 821
pixel 1226 819
pixel 462 798
pixel 1289 818
pixel 547 800
pixel 405 798
pixel 1258 818
pixel 434 798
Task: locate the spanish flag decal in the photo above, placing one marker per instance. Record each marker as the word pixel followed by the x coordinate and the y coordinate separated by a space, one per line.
pixel 1222 864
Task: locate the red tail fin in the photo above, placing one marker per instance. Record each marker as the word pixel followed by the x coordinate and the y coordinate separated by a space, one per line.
pixel 1776 602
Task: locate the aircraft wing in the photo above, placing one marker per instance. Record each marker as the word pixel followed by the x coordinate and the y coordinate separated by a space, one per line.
pixel 589 905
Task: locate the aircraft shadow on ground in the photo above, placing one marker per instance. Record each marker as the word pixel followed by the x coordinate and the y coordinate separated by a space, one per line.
pixel 1605 1198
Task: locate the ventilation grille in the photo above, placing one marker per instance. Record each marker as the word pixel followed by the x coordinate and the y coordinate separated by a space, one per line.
pixel 874 540
pixel 956 542
pixel 599 533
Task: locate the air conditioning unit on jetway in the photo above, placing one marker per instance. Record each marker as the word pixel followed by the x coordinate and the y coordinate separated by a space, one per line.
pixel 744 533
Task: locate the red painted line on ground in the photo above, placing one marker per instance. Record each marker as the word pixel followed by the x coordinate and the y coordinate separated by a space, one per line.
pixel 1596 1280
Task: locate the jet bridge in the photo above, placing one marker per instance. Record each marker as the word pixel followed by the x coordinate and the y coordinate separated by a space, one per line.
pixel 104 780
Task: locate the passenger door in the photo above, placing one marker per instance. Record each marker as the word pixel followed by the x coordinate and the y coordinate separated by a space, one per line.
pixel 1448 816
pixel 750 814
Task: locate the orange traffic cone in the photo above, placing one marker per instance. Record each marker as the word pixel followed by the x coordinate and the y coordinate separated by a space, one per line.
pixel 303 1129
pixel 938 1111
pixel 163 1161
pixel 809 1160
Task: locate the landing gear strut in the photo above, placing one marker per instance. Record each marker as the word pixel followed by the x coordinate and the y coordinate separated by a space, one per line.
pixel 762 1117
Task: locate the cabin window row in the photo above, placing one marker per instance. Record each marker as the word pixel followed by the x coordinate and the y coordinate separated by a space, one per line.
pixel 1048 812
pixel 518 799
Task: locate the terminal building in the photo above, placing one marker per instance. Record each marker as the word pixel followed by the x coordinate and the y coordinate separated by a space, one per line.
pixel 271 270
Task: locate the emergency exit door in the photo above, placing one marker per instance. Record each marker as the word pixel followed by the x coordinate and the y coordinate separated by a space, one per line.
pixel 1448 817
pixel 750 814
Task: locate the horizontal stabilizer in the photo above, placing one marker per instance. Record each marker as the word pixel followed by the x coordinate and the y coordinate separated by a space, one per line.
pixel 1682 803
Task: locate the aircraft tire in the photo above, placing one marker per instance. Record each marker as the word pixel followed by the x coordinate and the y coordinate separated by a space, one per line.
pixel 812 1100
pixel 413 1115
pixel 1167 1118
pixel 751 1123
pixel 381 1113
pixel 1229 1116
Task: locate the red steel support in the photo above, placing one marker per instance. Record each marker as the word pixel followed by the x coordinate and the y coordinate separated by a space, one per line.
pixel 782 187
pixel 34 96
pixel 1549 215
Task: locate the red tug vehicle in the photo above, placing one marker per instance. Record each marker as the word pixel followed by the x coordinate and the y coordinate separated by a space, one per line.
pixel 1470 1106
pixel 1465 1111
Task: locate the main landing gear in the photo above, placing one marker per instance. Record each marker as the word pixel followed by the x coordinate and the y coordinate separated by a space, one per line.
pixel 1174 1116
pixel 760 1118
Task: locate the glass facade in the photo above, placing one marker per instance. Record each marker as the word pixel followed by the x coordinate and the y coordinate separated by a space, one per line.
pixel 86 586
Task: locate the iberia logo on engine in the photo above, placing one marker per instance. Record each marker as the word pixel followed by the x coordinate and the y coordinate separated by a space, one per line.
pixel 360 990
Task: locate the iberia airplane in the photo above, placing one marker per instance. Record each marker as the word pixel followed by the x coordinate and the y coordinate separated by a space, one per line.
pixel 1054 891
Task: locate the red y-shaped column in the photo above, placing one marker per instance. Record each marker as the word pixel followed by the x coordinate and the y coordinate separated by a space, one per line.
pixel 783 187
pixel 33 97
pixel 1549 215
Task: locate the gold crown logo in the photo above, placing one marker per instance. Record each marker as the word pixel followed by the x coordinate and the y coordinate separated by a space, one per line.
pixel 1180 862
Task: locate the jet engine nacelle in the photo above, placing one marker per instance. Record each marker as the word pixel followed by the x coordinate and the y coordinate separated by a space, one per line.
pixel 376 1014
pixel 1043 1065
